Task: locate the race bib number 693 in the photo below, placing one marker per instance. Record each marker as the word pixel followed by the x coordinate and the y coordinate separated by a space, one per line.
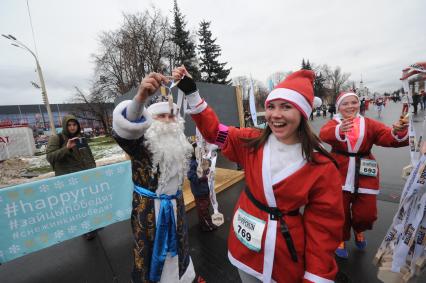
pixel 248 229
pixel 368 167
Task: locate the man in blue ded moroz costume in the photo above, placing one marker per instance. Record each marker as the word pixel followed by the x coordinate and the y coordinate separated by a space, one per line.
pixel 150 131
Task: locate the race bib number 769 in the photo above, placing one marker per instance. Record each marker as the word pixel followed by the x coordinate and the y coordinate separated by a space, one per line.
pixel 248 229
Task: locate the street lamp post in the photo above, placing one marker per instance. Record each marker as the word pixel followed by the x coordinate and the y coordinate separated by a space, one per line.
pixel 19 44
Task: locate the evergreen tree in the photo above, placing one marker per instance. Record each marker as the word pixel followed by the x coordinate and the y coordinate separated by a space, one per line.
pixel 319 85
pixel 185 54
pixel 211 70
pixel 308 65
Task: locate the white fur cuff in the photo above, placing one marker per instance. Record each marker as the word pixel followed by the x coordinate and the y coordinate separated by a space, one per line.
pixel 337 133
pixel 194 99
pixel 126 129
pixel 197 110
pixel 196 103
pixel 315 278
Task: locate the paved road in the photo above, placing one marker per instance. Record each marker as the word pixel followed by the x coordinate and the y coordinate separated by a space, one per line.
pixel 109 259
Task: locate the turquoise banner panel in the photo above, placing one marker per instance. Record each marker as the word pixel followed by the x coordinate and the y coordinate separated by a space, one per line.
pixel 40 214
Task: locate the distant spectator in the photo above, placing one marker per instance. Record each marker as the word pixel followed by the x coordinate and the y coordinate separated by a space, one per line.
pixel 69 152
pixel 198 178
pixel 405 104
pixel 362 107
pixel 318 111
pixel 324 110
pixel 367 103
pixel 331 110
pixel 416 100
pixel 247 119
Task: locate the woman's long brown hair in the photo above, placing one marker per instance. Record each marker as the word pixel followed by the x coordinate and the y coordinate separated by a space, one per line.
pixel 308 139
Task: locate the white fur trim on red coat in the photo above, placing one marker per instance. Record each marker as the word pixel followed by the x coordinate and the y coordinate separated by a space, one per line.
pixel 126 129
pixel 343 96
pixel 244 267
pixel 361 190
pixel 196 103
pixel 337 133
pixel 271 226
pixel 350 174
pixel 293 97
pixel 309 277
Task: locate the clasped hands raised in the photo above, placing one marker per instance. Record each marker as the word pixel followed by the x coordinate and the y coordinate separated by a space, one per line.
pixel 153 81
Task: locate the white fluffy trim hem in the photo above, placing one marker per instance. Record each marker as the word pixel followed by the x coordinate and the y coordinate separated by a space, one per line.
pixel 125 128
pixel 189 274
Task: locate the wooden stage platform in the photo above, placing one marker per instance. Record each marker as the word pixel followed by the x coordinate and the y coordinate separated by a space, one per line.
pixel 225 178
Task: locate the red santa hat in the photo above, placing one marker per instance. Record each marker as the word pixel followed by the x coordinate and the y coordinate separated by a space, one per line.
pixel 297 89
pixel 342 96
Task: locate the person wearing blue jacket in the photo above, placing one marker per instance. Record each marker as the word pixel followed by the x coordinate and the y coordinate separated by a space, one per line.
pixel 200 189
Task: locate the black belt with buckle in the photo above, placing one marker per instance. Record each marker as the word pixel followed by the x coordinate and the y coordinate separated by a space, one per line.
pixel 276 214
pixel 357 156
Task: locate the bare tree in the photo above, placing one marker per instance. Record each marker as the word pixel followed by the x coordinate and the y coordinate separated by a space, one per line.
pixel 277 77
pixel 335 79
pixel 142 45
pixel 260 90
pixel 240 80
pixel 245 82
pixel 92 107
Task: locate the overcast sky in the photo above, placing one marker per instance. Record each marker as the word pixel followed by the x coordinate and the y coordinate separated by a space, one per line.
pixel 375 39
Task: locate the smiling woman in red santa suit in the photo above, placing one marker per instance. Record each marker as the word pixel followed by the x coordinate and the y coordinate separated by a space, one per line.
pixel 351 137
pixel 286 168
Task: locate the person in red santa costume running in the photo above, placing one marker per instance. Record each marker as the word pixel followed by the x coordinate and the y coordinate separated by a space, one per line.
pixel 351 137
pixel 286 168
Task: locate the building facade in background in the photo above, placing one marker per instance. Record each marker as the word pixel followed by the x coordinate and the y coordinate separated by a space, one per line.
pixel 35 115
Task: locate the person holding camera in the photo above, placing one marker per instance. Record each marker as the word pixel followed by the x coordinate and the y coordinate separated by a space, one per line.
pixel 68 152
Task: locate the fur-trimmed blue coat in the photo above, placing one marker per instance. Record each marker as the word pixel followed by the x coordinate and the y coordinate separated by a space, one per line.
pixel 130 137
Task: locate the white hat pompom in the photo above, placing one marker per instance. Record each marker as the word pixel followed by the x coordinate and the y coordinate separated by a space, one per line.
pixel 317 102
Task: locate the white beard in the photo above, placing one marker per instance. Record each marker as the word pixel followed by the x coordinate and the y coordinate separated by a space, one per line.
pixel 170 150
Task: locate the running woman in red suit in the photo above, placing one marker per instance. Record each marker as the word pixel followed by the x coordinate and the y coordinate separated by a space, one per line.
pixel 351 137
pixel 286 168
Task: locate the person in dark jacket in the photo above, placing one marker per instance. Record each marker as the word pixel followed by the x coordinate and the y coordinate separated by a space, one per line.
pixel 362 107
pixel 331 110
pixel 416 100
pixel 324 110
pixel 68 152
pixel 198 179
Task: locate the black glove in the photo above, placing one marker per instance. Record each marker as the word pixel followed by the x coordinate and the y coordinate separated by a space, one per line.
pixel 187 85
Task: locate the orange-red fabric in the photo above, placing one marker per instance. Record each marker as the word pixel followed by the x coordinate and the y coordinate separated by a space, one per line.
pixel 360 213
pixel 301 81
pixel 360 210
pixel 376 133
pixel 353 134
pixel 316 233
